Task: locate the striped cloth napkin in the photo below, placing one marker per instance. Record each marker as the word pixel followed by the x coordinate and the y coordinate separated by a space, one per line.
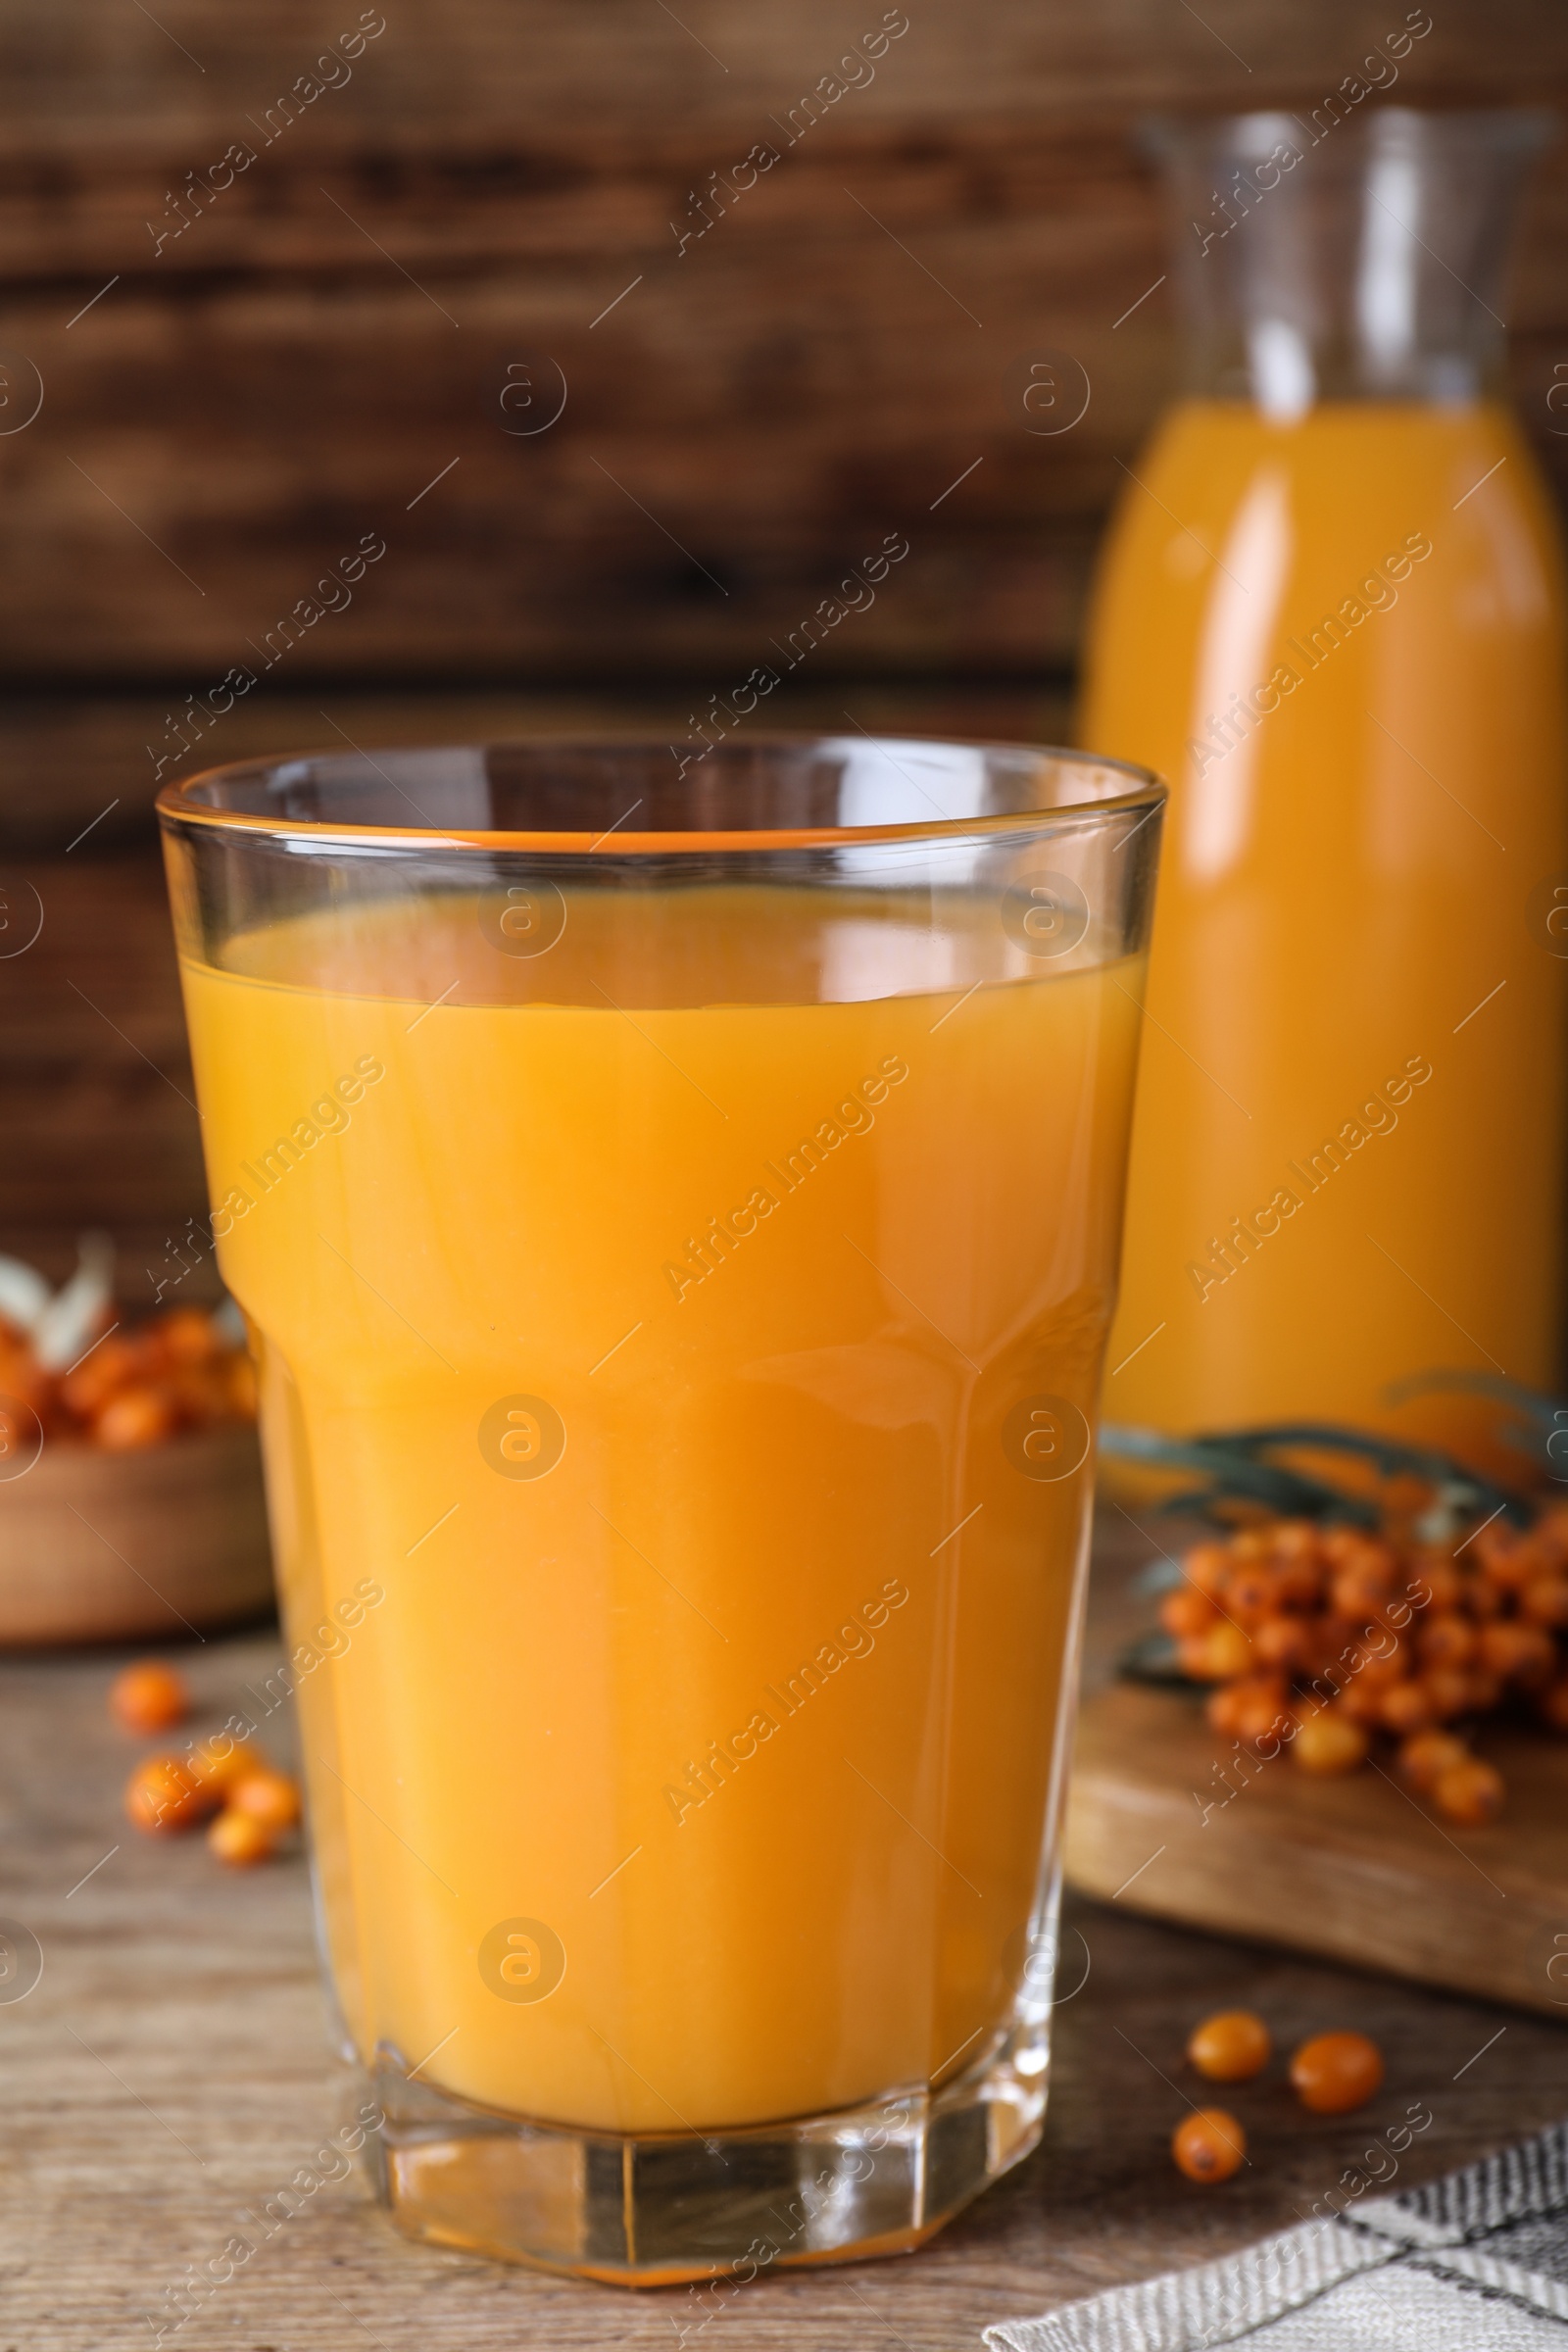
pixel 1476 2262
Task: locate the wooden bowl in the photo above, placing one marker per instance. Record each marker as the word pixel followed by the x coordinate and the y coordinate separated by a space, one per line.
pixel 98 1546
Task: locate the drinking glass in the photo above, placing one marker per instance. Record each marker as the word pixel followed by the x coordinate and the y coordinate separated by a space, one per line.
pixel 677 1209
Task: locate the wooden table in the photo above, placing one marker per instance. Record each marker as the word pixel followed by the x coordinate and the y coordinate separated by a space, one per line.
pixel 172 2069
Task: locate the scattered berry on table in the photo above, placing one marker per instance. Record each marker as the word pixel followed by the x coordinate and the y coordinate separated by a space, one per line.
pixel 164 1795
pixel 1335 2071
pixel 1231 2047
pixel 270 1798
pixel 1209 2146
pixel 1470 1793
pixel 240 1838
pixel 149 1698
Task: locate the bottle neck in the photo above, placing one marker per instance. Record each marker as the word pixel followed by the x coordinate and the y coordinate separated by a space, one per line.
pixel 1341 257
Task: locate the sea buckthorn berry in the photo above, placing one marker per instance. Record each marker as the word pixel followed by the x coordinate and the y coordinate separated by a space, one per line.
pixel 1344 1547
pixel 1335 2071
pixel 1507 1557
pixel 1445 1639
pixel 1187 1612
pixel 240 1838
pixel 102 1370
pixel 1326 1644
pixel 1221 1654
pixel 22 1375
pixel 148 1697
pixel 1222 1709
pixel 1209 2146
pixel 1405 1707
pixel 222 1761
pixel 1471 1792
pixel 1299 1584
pixel 1249 1596
pixel 1231 2047
pixel 1208 1566
pixel 1544 1600
pixel 1480 1597
pixel 1329 1742
pixel 132 1418
pixel 1360 1597
pixel 1281 1641
pixel 187 1334
pixel 1361 1701
pixel 1427 1754
pixel 1382 1662
pixel 1262 1716
pixel 1449 1689
pixel 270 1798
pixel 164 1795
pixel 1435 1583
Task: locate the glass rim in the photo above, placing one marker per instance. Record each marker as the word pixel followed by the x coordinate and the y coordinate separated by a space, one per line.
pixel 179 803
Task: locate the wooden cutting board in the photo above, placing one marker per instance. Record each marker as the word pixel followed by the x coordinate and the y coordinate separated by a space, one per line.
pixel 1352 1869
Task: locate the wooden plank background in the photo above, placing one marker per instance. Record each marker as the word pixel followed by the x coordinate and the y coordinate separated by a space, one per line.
pixel 492 183
pixel 333 329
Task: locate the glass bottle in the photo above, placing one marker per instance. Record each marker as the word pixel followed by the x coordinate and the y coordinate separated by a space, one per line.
pixel 1331 613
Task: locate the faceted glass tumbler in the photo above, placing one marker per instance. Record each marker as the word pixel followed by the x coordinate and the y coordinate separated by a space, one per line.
pixel 677 1209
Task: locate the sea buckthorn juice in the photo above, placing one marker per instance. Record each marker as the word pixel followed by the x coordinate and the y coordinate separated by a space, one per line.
pixel 1360 698
pixel 679 1302
pixel 1331 613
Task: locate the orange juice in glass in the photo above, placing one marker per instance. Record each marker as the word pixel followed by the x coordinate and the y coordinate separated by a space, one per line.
pixel 1331 613
pixel 678 1223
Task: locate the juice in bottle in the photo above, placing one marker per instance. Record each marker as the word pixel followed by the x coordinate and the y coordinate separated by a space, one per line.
pixel 1331 613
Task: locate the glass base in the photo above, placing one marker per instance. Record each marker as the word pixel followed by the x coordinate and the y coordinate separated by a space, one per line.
pixel 654 2209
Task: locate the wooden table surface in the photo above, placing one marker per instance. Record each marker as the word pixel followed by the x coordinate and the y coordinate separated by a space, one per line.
pixel 171 2068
